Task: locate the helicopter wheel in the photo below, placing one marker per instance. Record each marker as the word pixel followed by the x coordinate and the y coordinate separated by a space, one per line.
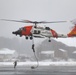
pixel 49 40
pixel 31 37
pixel 26 38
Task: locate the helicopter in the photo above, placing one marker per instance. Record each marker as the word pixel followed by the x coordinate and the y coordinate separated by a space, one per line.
pixel 34 30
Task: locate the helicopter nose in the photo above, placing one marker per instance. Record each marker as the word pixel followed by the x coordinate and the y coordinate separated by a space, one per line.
pixel 13 32
pixel 17 32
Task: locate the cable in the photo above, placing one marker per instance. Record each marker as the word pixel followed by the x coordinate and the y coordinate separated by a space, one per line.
pixel 33 67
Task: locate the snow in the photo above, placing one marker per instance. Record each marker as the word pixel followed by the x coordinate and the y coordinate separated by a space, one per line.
pixel 74 51
pixel 62 50
pixel 47 52
pixel 7 51
pixel 40 63
pixel 67 41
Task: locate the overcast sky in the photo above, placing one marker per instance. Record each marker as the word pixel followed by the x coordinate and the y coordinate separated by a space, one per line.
pixel 40 10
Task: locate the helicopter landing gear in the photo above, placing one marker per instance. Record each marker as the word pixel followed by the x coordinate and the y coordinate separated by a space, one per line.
pixel 26 37
pixel 31 37
pixel 49 40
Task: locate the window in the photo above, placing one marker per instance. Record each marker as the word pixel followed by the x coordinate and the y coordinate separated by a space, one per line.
pixel 36 32
pixel 24 29
pixel 20 29
pixel 47 28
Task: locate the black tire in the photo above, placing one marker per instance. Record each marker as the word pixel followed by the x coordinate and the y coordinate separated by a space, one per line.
pixel 26 38
pixel 49 40
pixel 31 38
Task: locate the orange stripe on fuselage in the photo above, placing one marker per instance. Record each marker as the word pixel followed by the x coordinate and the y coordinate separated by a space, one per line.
pixel 54 33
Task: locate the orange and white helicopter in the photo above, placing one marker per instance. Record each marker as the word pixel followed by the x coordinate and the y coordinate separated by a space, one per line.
pixel 40 32
pixel 34 30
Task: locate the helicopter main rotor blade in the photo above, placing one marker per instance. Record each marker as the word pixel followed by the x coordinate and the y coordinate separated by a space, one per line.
pixel 35 22
pixel 52 22
pixel 23 21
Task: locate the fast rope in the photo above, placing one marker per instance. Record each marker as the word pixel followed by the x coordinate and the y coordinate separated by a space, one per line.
pixel 33 67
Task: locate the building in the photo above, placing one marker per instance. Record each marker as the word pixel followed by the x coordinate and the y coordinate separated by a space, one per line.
pixel 7 54
pixel 24 57
pixel 46 55
pixel 61 54
pixel 74 55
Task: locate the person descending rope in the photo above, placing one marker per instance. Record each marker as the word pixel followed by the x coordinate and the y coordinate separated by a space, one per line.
pixel 15 64
pixel 33 45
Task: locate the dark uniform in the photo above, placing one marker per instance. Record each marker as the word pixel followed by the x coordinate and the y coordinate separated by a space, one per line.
pixel 15 64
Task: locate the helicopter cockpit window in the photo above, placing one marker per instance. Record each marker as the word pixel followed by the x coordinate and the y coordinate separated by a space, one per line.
pixel 47 28
pixel 22 29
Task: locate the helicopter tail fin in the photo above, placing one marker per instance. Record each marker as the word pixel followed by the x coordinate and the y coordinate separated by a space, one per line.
pixel 72 32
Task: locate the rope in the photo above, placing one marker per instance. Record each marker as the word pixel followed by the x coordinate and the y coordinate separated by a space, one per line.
pixel 33 67
pixel 36 60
